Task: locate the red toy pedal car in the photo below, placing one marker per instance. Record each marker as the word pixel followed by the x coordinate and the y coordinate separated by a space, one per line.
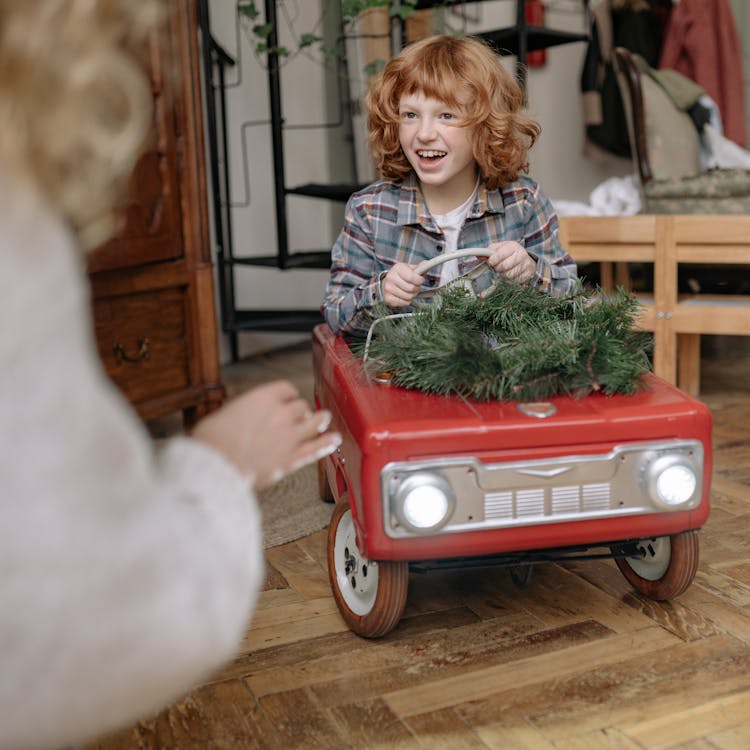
pixel 429 480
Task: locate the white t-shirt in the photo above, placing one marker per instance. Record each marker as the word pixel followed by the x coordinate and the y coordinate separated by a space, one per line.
pixel 451 224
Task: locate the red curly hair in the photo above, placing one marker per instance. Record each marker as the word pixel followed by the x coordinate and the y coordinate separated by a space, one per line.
pixel 466 74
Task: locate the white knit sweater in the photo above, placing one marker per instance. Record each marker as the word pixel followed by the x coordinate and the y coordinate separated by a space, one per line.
pixel 125 576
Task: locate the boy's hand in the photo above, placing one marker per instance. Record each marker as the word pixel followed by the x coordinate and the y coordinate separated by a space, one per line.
pixel 509 259
pixel 400 285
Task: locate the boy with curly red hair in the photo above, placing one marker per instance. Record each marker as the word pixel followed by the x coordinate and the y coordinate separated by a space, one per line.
pixel 450 142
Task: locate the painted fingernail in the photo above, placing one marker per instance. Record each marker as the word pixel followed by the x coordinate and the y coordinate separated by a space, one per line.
pixel 335 443
pixel 326 450
pixel 325 421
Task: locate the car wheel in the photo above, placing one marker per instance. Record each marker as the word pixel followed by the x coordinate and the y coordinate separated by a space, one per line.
pixel 370 595
pixel 667 567
pixel 324 489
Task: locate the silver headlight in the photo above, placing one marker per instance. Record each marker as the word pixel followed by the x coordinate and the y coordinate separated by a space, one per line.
pixel 423 502
pixel 671 480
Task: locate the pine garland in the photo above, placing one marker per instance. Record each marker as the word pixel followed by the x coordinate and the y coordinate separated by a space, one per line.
pixel 518 343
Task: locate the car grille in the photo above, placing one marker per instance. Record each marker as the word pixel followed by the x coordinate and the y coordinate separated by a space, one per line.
pixel 563 501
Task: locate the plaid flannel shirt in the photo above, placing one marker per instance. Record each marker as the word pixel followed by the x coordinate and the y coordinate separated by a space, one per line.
pixel 389 222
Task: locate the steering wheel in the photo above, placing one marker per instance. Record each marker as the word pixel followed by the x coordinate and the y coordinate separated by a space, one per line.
pixel 426 265
pixel 466 279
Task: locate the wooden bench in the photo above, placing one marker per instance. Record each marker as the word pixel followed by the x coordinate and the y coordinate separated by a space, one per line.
pixel 677 321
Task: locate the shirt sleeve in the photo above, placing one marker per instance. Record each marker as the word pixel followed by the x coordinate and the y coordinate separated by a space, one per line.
pixel 353 287
pixel 556 272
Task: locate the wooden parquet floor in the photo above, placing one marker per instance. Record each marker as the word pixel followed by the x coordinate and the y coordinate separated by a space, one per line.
pixel 575 661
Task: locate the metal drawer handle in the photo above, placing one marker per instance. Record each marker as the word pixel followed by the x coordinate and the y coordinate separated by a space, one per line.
pixel 139 356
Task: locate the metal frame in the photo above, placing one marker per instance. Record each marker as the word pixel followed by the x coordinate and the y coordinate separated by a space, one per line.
pixel 216 61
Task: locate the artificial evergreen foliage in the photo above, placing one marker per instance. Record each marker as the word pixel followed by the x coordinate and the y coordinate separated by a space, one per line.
pixel 517 343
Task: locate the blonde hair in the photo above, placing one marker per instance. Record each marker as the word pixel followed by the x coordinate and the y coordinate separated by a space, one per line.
pixel 464 73
pixel 75 104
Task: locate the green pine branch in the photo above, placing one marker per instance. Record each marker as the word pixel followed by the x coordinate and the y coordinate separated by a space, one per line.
pixel 518 343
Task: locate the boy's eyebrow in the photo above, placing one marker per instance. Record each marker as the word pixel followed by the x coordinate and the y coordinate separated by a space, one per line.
pixel 409 101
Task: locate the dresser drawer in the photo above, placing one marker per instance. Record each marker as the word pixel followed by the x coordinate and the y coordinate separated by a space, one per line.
pixel 143 342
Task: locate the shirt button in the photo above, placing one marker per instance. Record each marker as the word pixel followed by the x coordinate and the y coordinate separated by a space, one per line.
pixel 439 248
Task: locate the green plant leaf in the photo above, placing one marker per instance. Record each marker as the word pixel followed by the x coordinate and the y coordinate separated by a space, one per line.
pixel 307 40
pixel 352 8
pixel 247 8
pixel 373 67
pixel 262 29
pixel 330 52
pixel 404 9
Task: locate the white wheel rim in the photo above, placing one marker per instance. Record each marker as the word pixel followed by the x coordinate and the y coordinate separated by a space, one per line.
pixel 357 577
pixel 653 566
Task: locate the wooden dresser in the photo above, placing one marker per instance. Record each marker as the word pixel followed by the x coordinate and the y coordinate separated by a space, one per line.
pixel 153 285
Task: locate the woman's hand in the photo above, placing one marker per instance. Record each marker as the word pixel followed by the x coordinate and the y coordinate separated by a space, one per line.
pixel 401 285
pixel 268 431
pixel 510 260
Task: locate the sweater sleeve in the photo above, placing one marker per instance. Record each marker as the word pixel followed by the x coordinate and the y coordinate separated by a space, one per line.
pixel 127 573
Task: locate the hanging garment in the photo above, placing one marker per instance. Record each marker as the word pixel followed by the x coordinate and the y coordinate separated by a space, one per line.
pixel 702 43
pixel 637 26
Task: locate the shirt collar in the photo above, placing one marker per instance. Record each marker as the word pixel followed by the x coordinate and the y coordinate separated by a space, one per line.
pixel 412 208
pixel 487 201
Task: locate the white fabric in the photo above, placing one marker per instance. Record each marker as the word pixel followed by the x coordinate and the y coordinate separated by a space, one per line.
pixel 725 154
pixel 451 224
pixel 125 576
pixel 616 196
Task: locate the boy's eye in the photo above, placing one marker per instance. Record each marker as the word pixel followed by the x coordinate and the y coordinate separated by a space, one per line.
pixel 408 115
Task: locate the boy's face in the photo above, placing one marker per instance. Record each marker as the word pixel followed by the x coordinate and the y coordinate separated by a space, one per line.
pixel 437 143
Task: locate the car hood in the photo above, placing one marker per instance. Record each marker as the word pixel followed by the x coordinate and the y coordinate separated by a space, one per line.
pixel 380 413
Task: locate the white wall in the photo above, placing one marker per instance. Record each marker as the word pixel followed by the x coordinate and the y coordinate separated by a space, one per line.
pixel 557 161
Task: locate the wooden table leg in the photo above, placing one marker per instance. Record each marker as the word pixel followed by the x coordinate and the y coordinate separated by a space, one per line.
pixel 689 362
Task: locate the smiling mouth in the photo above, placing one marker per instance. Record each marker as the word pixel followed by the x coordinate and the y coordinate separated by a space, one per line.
pixel 431 154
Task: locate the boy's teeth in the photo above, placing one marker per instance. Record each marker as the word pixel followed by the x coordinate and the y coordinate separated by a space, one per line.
pixel 431 153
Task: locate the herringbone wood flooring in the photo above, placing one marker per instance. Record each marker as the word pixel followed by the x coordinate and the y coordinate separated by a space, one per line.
pixel 575 661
